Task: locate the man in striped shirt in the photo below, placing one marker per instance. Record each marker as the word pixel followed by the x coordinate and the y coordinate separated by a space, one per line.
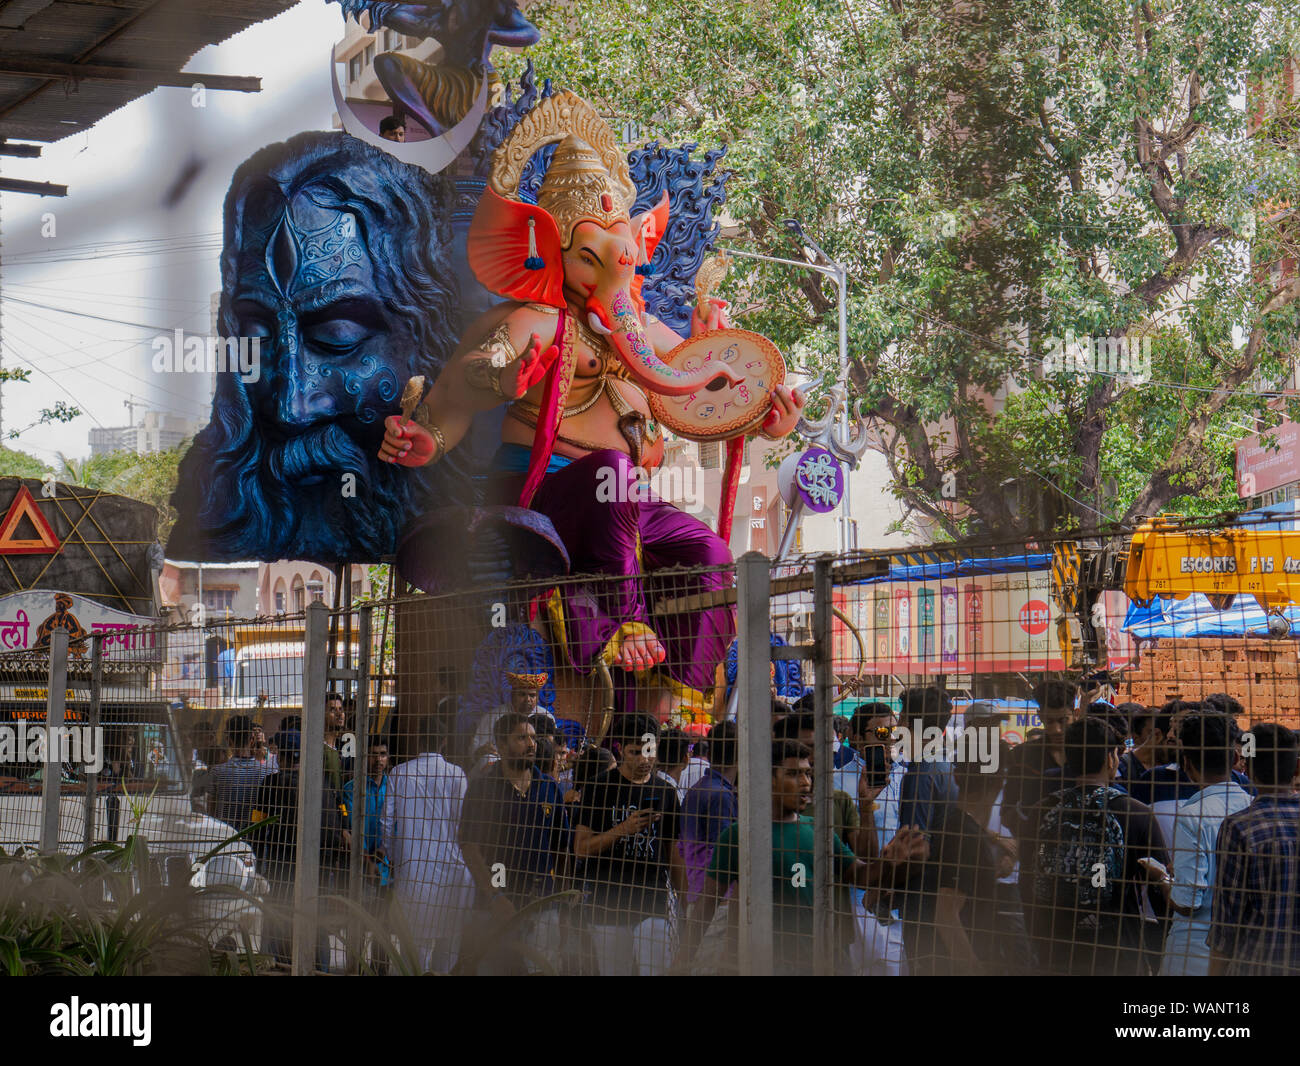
pixel 1255 919
pixel 232 785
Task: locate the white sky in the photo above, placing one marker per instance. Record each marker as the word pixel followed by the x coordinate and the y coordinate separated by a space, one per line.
pixel 116 175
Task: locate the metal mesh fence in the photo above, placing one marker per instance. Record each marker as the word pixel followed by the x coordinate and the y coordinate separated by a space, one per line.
pixel 975 759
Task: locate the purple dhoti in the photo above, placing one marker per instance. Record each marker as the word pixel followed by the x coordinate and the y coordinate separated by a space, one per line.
pixel 602 523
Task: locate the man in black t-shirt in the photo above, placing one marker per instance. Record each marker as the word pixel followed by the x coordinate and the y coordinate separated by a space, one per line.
pixel 961 923
pixel 514 832
pixel 276 845
pixel 626 830
pixel 1027 780
pixel 1086 916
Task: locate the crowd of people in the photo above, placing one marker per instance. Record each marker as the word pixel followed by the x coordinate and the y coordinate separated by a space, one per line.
pixel 1115 840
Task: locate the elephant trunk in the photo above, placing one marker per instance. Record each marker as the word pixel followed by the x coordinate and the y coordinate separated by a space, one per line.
pixel 617 319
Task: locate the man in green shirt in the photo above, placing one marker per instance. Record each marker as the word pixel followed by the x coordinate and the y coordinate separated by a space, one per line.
pixel 793 839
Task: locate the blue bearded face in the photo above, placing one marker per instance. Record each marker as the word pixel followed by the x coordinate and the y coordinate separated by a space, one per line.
pixel 336 260
pixel 329 353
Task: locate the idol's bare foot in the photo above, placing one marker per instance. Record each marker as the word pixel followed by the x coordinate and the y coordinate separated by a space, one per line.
pixel 640 652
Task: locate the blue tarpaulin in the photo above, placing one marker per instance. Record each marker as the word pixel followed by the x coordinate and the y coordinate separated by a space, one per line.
pixel 1002 564
pixel 1194 617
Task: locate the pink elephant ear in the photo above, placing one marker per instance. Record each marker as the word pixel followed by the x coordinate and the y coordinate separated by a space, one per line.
pixel 504 258
pixel 655 222
pixel 648 228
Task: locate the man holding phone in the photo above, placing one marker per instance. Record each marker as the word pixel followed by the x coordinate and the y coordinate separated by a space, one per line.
pixel 875 777
pixel 627 829
pixel 873 728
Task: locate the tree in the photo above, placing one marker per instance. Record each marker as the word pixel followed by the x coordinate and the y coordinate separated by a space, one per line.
pixel 14 463
pixel 150 478
pixel 1022 191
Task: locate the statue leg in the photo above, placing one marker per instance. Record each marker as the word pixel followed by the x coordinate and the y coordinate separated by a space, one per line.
pixel 600 527
pixel 695 642
pixel 436 97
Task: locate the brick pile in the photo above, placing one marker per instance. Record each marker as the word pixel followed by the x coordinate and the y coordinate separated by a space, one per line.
pixel 1263 674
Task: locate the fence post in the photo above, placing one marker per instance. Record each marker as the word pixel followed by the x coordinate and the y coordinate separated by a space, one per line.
pixel 823 767
pixel 311 785
pixel 360 780
pixel 92 776
pixel 754 721
pixel 55 703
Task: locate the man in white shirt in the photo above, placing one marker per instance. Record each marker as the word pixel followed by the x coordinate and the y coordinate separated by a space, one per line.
pixel 878 947
pixel 696 767
pixel 419 827
pixel 672 760
pixel 873 726
pixel 1208 744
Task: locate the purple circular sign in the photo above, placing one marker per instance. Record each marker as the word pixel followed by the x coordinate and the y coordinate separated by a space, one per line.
pixel 819 480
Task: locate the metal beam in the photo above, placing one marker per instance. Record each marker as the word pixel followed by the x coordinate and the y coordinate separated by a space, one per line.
pixel 39 188
pixel 823 766
pixel 26 151
pixel 311 787
pixel 780 586
pixel 754 732
pixel 56 702
pixel 57 68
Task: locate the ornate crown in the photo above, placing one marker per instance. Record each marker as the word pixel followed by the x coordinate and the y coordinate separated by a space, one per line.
pixel 588 179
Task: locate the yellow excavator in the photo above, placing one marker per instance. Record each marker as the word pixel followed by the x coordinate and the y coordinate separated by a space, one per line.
pixel 1168 559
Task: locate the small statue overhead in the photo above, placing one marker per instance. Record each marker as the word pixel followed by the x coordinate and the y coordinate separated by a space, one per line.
pixel 438 95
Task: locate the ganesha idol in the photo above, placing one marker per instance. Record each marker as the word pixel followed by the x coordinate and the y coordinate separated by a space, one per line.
pixel 575 360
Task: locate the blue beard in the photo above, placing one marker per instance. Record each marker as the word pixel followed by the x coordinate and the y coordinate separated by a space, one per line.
pixel 276 500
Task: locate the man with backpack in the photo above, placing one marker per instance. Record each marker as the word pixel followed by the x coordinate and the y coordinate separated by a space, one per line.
pixel 1082 877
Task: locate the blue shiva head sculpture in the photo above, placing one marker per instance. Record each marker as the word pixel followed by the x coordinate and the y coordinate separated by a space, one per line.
pixel 336 261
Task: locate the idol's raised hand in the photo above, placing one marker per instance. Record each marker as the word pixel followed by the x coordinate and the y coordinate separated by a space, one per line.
pixel 711 314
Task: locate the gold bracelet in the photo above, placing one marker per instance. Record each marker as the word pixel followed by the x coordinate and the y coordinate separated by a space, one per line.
pixel 481 374
pixel 442 443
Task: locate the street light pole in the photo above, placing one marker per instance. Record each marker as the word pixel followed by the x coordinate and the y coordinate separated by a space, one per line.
pixel 847 540
pixel 839 273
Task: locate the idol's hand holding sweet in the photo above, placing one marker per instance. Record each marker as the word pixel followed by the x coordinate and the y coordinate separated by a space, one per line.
pixel 787 406
pixel 708 315
pixel 406 443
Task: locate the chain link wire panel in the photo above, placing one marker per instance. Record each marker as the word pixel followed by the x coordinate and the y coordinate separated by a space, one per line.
pixel 984 759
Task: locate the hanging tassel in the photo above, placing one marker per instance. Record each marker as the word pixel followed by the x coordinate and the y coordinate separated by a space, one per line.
pixel 645 267
pixel 534 261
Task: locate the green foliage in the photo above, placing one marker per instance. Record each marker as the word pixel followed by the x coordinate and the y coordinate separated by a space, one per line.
pixel 995 176
pixel 149 478
pixel 104 913
pixel 14 463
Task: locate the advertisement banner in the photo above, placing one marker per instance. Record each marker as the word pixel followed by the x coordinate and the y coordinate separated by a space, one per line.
pixel 997 623
pixel 27 619
pixel 950 631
